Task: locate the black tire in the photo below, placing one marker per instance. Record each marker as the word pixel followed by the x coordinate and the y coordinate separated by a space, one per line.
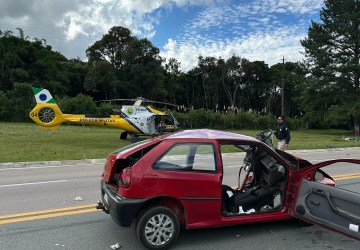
pixel 151 230
pixel 123 135
pixel 303 223
pixel 134 138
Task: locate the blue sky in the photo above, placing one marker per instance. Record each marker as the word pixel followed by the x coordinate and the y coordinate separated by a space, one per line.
pixel 263 30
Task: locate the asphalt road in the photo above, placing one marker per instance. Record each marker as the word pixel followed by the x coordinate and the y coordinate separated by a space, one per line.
pixel 53 208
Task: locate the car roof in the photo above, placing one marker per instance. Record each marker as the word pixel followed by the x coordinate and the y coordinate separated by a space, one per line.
pixel 208 134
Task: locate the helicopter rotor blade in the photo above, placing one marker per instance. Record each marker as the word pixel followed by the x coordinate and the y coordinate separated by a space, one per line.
pixel 140 100
pixel 113 100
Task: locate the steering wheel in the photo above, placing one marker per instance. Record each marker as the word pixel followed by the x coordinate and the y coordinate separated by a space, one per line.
pixel 262 137
pixel 266 137
pixel 247 167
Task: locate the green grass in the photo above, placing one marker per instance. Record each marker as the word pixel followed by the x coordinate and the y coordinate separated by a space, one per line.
pixel 29 142
pixel 315 139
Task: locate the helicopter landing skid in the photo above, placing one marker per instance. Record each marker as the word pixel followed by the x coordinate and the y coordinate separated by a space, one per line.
pixel 134 138
pixel 123 135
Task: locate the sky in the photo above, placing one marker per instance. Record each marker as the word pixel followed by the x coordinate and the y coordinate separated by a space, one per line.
pixel 263 30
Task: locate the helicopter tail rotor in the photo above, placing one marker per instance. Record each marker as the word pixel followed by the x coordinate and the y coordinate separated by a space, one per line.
pixel 46 112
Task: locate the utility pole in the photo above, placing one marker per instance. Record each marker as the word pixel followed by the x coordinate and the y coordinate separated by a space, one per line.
pixel 282 88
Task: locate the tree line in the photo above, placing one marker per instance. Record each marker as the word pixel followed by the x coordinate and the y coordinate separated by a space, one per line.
pixel 320 92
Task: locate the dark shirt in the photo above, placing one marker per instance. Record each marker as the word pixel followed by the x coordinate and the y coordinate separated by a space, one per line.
pixel 283 132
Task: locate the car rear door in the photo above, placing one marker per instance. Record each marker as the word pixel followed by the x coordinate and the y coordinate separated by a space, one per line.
pixel 329 206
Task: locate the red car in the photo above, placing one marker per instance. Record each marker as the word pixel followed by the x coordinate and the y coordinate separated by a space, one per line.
pixel 208 178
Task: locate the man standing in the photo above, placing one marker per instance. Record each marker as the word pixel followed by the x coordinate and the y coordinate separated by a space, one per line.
pixel 282 133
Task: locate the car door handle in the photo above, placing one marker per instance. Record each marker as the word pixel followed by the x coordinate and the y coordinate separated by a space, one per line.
pixel 334 208
pixel 327 195
pixel 315 203
pixel 319 192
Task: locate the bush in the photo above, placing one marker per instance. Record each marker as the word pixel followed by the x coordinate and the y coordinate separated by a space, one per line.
pixel 106 109
pixel 216 120
pixel 264 122
pixel 4 107
pixel 20 101
pixel 80 104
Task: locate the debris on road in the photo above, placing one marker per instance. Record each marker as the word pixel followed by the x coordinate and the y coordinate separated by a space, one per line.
pixel 116 246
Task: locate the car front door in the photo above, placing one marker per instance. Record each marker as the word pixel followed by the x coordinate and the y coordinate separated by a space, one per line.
pixel 329 206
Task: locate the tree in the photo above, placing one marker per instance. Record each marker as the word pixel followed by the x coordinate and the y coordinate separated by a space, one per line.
pixel 20 102
pixel 332 49
pixel 257 86
pixel 142 67
pixel 112 47
pixel 136 63
pixel 100 78
pixel 173 85
pixel 209 74
pixel 22 60
pixel 293 75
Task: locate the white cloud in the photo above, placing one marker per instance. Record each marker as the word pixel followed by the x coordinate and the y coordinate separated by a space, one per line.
pixel 101 15
pixel 254 29
pixel 288 6
pixel 260 30
pixel 269 47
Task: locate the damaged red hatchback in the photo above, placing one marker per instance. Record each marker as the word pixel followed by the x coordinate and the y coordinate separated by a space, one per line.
pixel 208 178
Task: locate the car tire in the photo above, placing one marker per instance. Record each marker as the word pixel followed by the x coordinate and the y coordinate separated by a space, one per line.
pixel 157 228
pixel 303 223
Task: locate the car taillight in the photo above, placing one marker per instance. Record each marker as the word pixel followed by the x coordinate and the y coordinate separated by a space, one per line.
pixel 125 178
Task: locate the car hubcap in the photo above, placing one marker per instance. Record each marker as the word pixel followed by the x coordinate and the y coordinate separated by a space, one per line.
pixel 159 229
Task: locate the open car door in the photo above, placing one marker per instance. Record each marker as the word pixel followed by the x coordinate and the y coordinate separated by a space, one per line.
pixel 334 208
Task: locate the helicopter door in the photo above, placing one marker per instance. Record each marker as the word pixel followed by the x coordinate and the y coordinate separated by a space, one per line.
pixel 174 121
pixel 151 125
pixel 144 125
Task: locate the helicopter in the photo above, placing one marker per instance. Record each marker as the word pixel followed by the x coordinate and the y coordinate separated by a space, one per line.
pixel 136 119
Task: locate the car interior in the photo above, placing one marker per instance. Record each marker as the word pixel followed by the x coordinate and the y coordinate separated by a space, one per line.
pixel 261 184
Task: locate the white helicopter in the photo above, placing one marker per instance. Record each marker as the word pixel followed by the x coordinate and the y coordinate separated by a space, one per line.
pixel 136 119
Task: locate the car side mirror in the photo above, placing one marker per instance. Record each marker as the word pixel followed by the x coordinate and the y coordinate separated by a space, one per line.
pixel 281 169
pixel 319 176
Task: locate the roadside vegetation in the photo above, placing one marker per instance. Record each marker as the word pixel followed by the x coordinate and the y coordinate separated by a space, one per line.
pixel 323 91
pixel 24 142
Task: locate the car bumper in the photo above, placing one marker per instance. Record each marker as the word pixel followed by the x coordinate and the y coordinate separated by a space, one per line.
pixel 121 209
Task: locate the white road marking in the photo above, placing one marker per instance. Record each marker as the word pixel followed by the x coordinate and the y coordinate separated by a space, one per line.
pixel 31 183
pixel 2 169
pixel 55 166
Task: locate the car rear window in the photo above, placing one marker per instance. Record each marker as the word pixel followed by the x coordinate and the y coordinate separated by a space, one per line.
pixel 188 157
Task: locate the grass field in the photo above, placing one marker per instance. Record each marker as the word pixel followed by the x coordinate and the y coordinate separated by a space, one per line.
pixel 29 142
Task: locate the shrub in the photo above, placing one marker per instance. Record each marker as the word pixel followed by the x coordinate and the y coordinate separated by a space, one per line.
pixel 20 101
pixel 106 109
pixel 4 107
pixel 219 120
pixel 80 104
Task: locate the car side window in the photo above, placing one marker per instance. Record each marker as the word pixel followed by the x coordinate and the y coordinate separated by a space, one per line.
pixel 188 157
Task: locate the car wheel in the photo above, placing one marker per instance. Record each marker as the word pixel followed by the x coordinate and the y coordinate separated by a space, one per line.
pixel 303 223
pixel 157 228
